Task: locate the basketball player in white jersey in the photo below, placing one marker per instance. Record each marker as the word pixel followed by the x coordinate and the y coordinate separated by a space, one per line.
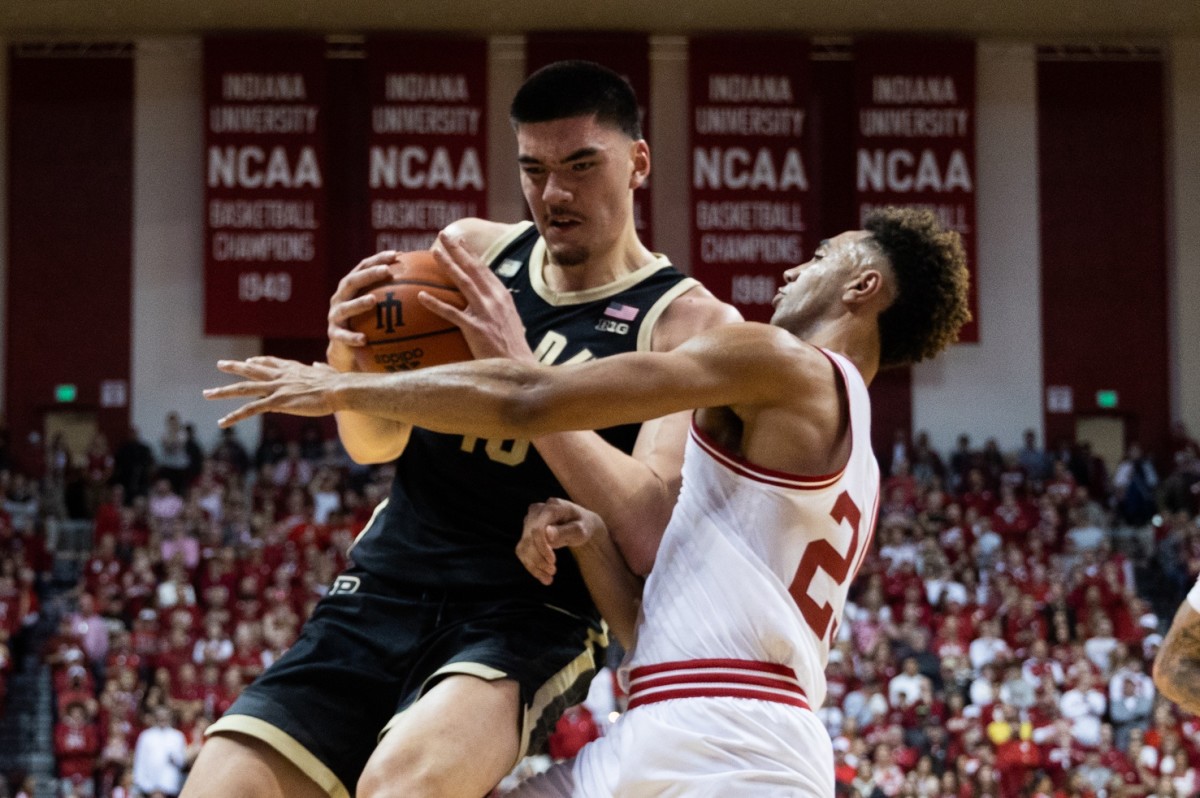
pixel 753 569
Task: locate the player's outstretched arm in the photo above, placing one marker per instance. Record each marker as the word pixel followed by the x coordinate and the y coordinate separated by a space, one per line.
pixel 1177 666
pixel 557 524
pixel 740 364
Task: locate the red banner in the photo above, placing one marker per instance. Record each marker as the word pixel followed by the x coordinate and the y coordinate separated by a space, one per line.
pixel 750 190
pixel 427 154
pixel 265 235
pixel 916 134
pixel 627 54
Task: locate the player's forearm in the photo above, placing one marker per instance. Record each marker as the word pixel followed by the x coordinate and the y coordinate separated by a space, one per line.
pixel 634 501
pixel 616 591
pixel 487 398
pixel 501 398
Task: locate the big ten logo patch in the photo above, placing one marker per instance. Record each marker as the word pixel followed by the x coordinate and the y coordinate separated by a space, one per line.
pixel 612 326
pixel 345 584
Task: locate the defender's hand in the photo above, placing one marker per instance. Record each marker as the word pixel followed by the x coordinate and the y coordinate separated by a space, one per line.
pixel 552 525
pixel 275 385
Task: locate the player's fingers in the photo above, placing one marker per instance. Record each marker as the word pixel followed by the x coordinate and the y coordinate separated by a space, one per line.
pixel 244 412
pixel 452 253
pixel 530 554
pixel 560 535
pixel 443 309
pixel 247 369
pixel 348 337
pixel 462 278
pixel 342 312
pixel 562 511
pixel 381 258
pixel 358 280
pixel 239 390
pixel 269 361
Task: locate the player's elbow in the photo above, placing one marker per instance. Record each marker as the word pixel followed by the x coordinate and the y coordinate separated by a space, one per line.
pixel 641 560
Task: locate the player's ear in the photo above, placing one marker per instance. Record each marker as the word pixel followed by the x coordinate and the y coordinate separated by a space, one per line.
pixel 641 163
pixel 867 286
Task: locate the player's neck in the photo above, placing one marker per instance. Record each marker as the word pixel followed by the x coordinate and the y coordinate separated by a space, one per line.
pixel 602 268
pixel 857 342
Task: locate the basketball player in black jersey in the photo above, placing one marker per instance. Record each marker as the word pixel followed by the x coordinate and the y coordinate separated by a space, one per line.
pixel 438 644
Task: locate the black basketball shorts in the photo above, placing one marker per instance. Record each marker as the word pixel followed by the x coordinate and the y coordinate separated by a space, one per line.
pixel 369 651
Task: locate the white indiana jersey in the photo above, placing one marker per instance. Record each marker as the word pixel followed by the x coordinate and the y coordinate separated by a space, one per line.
pixel 756 564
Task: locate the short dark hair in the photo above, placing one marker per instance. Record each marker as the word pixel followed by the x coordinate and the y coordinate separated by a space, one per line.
pixel 567 89
pixel 930 267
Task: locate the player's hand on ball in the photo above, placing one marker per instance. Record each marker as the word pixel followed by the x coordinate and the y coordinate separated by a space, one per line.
pixel 550 525
pixel 348 301
pixel 489 322
pixel 275 385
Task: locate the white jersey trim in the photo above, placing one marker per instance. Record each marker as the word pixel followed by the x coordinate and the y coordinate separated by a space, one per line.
pixel 780 479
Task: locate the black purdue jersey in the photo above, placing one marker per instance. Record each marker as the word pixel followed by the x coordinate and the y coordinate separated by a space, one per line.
pixel 457 504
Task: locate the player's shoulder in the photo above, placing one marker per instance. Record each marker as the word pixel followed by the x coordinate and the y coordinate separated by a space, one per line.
pixel 768 342
pixel 481 235
pixel 690 313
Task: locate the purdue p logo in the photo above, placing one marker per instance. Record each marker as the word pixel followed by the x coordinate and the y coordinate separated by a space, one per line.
pixel 345 584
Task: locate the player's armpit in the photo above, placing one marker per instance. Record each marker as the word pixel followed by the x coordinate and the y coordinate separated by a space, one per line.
pixel 1177 666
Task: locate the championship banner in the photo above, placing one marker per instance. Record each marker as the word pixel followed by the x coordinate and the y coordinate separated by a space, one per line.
pixel 265 251
pixel 916 135
pixel 627 54
pixel 427 142
pixel 749 183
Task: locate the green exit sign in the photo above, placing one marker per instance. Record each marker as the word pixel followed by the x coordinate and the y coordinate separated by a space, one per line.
pixel 65 392
pixel 1106 399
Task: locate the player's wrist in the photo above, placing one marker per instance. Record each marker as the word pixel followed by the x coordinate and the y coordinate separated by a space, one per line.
pixel 340 391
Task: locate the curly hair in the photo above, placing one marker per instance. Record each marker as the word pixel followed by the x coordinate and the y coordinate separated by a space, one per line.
pixel 930 266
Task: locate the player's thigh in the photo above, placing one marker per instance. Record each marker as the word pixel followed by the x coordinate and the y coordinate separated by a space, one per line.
pixel 459 739
pixel 237 765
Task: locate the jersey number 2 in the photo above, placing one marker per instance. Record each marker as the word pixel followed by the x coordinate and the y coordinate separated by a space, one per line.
pixel 822 555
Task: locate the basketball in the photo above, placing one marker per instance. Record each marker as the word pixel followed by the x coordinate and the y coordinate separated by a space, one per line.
pixel 401 333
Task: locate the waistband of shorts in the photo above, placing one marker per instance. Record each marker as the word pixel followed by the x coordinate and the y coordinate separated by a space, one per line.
pixel 715 678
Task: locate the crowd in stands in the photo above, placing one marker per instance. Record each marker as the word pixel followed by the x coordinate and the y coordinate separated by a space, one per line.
pixel 998 641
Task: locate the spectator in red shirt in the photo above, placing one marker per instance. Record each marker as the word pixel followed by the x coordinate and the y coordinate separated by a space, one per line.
pixel 1012 519
pixel 76 744
pixel 1024 626
pixel 978 495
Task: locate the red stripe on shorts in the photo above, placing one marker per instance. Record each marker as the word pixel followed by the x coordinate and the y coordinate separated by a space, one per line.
pixel 715 678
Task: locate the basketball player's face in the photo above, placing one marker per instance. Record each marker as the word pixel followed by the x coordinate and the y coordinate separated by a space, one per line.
pixel 578 175
pixel 812 291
